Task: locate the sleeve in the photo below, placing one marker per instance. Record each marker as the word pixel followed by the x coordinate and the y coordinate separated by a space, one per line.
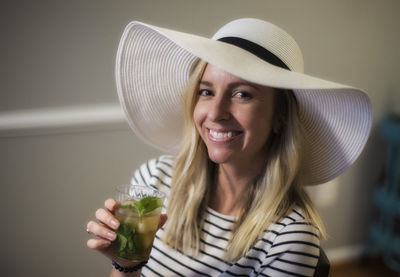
pixel 155 173
pixel 294 252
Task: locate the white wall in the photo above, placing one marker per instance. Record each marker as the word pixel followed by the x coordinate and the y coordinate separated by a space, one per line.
pixel 57 59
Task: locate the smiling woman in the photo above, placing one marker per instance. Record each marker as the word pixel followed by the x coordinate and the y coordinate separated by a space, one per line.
pixel 252 132
pixel 265 134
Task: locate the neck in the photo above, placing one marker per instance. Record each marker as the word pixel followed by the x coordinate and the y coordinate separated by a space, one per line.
pixel 232 186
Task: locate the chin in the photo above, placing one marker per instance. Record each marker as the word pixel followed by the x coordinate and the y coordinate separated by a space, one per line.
pixel 218 157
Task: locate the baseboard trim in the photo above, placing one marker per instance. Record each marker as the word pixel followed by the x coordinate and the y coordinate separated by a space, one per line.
pixel 61 120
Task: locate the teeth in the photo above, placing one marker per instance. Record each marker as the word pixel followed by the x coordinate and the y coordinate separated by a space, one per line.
pixel 219 135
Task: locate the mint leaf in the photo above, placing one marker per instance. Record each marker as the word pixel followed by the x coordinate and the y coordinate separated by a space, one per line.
pixel 122 241
pixel 147 204
pixel 125 245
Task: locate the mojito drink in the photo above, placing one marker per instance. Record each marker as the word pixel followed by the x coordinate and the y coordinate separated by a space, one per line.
pixel 139 218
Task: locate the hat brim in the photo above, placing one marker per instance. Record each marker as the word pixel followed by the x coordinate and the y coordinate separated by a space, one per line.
pixel 153 67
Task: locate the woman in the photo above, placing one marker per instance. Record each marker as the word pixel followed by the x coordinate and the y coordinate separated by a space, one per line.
pixel 255 131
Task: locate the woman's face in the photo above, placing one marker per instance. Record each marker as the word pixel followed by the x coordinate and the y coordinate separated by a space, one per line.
pixel 233 117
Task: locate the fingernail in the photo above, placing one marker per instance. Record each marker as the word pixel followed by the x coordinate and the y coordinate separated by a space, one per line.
pixel 110 235
pixel 114 223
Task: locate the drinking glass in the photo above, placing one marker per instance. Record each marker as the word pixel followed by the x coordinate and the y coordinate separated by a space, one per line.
pixel 139 214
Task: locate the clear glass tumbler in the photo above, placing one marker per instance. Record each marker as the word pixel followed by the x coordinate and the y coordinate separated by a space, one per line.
pixel 139 214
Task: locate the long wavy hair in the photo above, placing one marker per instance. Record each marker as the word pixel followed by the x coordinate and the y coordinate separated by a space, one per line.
pixel 273 195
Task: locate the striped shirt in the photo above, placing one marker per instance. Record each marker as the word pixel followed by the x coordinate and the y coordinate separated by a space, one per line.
pixel 289 247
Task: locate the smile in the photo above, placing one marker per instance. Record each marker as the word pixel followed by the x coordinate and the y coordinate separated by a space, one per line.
pixel 219 135
pixel 222 135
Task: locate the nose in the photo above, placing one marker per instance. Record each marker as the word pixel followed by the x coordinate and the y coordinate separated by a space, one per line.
pixel 219 109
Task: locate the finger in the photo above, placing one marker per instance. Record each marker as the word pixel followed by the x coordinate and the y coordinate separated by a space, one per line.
pixel 111 204
pixel 107 218
pixel 101 231
pixel 98 243
pixel 163 219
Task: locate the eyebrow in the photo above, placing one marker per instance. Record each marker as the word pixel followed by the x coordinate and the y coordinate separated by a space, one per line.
pixel 234 84
pixel 206 83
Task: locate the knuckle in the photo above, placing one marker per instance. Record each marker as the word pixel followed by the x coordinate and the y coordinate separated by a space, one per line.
pixel 110 203
pixel 89 225
pixel 100 213
pixel 97 244
pixel 91 244
pixel 94 228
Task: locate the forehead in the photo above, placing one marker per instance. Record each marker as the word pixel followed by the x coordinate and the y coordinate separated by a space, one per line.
pixel 213 72
pixel 214 75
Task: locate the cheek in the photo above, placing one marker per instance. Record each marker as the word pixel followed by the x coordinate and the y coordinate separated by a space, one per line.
pixel 198 117
pixel 259 124
pixel 266 127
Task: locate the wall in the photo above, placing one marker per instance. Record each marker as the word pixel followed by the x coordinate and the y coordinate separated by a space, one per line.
pixel 64 143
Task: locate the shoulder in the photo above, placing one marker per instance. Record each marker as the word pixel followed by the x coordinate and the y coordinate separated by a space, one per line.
pixel 295 228
pixel 291 231
pixel 155 172
pixel 295 246
pixel 288 247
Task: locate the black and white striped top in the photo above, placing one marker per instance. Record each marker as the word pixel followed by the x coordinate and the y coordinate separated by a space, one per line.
pixel 288 248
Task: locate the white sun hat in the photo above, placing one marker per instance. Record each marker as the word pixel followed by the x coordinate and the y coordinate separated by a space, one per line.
pixel 153 66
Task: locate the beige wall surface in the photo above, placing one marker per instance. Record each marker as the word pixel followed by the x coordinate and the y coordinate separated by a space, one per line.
pixel 58 54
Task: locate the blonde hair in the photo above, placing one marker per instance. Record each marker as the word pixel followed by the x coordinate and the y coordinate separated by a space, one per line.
pixel 272 196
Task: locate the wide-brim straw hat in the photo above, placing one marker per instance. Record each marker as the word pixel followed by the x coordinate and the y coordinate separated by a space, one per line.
pixel 154 64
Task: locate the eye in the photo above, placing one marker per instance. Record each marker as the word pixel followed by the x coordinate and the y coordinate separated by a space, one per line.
pixel 243 95
pixel 205 92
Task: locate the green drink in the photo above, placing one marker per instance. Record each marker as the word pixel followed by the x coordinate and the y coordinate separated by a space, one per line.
pixel 139 215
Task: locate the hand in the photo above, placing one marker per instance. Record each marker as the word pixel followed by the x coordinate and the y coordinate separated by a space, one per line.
pixel 104 230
